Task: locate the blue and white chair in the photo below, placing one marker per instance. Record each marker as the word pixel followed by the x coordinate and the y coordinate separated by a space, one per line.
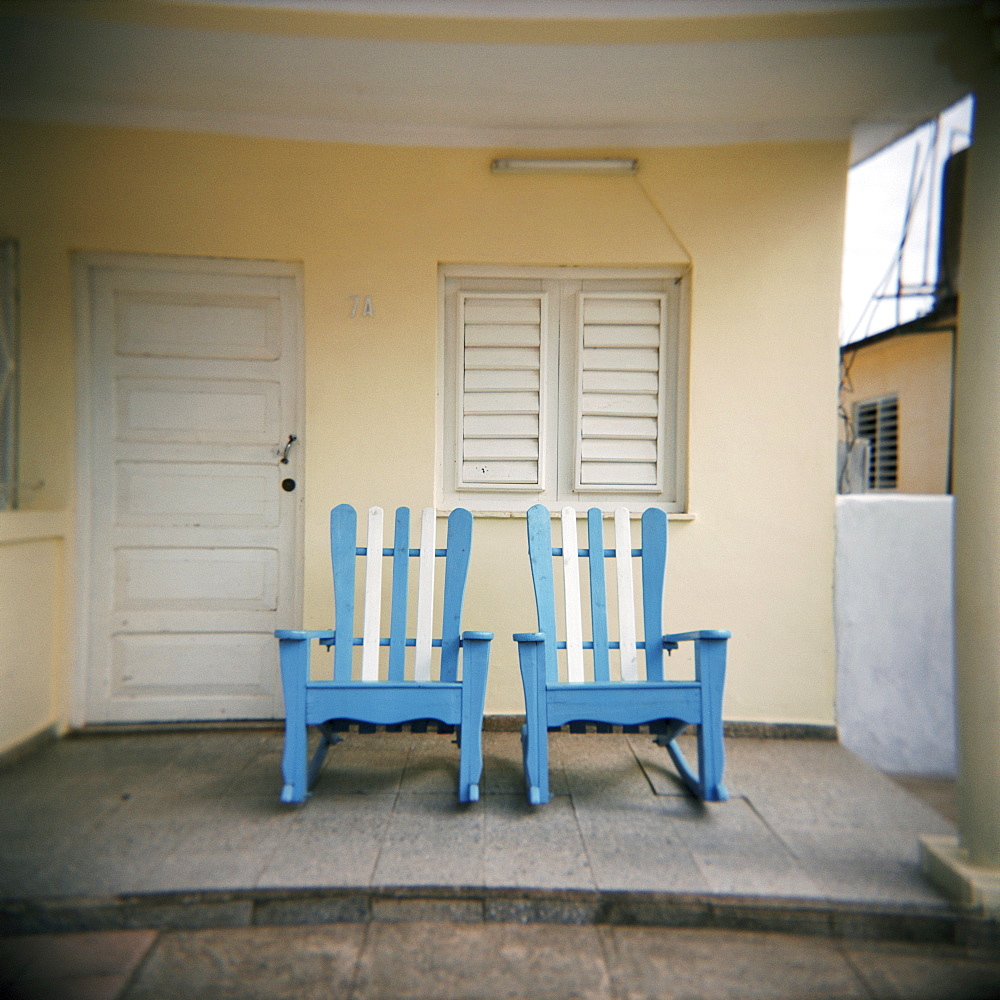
pixel 376 689
pixel 587 691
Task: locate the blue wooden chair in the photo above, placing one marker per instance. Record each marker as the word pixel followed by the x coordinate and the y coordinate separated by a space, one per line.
pixel 372 690
pixel 666 706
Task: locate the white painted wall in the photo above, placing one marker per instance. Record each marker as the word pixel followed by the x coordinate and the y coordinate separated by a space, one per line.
pixel 894 614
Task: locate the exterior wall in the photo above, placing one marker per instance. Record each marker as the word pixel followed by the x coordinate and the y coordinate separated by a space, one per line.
pixel 33 662
pixel 917 368
pixel 760 226
pixel 895 632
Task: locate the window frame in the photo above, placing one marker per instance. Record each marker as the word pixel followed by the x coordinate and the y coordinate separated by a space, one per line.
pixel 562 360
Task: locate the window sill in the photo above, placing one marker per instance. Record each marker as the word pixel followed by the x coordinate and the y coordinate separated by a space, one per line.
pixel 634 515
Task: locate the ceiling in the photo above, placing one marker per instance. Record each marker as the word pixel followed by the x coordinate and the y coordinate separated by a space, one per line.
pixel 493 73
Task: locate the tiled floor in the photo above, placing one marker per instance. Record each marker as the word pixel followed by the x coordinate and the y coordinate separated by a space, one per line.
pixel 445 960
pixel 103 816
pixel 188 878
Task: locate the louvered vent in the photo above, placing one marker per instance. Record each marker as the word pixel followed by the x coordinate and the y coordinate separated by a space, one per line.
pixel 502 412
pixel 621 395
pixel 878 421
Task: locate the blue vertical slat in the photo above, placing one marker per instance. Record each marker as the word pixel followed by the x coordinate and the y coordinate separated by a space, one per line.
pixel 654 561
pixel 540 553
pixel 598 594
pixel 400 585
pixel 343 545
pixel 459 547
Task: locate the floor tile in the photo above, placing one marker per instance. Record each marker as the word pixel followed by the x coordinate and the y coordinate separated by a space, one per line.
pixel 46 820
pixel 277 963
pixel 503 767
pixel 431 765
pixel 71 966
pixel 364 764
pixel 868 865
pixel 780 778
pixel 908 972
pixel 88 954
pixel 657 767
pixel 230 822
pixel 666 963
pixel 598 765
pixel 941 794
pixel 96 868
pixel 432 840
pixel 334 842
pixel 469 961
pixel 539 847
pixel 737 853
pixel 202 870
pixel 637 846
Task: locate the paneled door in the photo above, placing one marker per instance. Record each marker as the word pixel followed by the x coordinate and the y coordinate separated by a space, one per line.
pixel 190 484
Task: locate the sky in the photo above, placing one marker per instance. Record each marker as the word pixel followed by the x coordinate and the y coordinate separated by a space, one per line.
pixel 901 182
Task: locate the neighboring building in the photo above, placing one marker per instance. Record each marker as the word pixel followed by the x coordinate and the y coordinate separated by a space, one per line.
pixel 897 386
pixel 897 395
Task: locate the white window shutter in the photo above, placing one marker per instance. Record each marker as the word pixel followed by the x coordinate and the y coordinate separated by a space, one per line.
pixel 620 402
pixel 502 396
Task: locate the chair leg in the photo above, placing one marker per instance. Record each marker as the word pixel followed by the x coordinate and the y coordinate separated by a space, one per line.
pixel 535 734
pixel 475 662
pixel 294 655
pixel 710 669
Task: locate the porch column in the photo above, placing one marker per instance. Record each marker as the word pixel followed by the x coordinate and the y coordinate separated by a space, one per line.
pixel 968 867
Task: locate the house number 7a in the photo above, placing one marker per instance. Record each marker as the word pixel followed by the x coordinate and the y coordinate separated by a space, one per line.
pixel 362 305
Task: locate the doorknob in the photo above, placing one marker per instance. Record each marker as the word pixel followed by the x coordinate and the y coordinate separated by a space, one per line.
pixel 284 451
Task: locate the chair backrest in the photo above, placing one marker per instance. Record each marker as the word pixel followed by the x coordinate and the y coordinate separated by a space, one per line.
pixel 653 553
pixel 344 549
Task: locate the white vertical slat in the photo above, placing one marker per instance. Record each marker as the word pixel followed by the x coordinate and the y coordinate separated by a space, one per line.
pixel 571 589
pixel 425 595
pixel 373 597
pixel 626 600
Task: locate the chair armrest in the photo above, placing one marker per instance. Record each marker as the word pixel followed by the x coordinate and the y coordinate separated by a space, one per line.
pixel 529 637
pixel 707 633
pixel 473 636
pixel 298 633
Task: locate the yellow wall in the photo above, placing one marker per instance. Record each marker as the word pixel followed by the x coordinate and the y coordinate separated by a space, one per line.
pixel 34 654
pixel 761 225
pixel 915 368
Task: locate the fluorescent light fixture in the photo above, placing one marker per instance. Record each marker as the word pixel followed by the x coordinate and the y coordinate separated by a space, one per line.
pixel 564 166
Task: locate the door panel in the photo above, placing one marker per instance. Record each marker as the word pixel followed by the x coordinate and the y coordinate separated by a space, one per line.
pixel 196 410
pixel 155 667
pixel 194 386
pixel 188 316
pixel 221 579
pixel 196 494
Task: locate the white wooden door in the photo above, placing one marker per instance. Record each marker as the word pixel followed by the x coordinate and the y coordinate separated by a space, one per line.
pixel 192 383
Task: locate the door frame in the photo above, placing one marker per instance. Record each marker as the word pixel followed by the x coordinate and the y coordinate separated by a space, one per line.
pixel 82 546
